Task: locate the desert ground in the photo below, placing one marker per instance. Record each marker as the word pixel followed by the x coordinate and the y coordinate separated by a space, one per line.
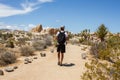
pixel 46 68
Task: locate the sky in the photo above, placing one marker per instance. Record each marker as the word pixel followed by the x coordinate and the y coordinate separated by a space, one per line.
pixel 75 15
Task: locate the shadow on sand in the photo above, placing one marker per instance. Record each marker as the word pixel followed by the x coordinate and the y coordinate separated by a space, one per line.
pixel 68 64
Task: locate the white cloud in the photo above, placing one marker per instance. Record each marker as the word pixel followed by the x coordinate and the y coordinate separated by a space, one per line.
pixel 43 1
pixel 27 7
pixel 3 26
pixel 31 25
pixel 26 27
pixel 57 21
pixel 6 10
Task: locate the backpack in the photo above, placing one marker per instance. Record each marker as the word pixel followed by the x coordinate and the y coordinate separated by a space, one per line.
pixel 61 37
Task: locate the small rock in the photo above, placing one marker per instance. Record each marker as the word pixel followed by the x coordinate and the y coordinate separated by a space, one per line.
pixel 52 50
pixel 9 69
pixel 29 61
pixel 26 59
pixel 42 54
pixel 35 58
pixel 15 67
pixel 1 72
pixel 83 55
pixel 26 62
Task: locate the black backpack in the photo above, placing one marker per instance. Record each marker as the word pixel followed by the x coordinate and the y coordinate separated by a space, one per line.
pixel 61 37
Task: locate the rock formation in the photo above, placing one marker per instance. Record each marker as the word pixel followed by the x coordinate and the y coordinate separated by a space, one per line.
pixel 38 28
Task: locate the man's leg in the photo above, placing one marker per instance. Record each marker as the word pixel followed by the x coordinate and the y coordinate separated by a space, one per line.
pixel 62 56
pixel 58 58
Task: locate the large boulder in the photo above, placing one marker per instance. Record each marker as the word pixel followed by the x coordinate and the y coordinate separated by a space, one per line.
pixel 52 31
pixel 38 28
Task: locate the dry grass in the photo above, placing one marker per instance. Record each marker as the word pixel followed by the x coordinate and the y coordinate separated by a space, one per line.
pixel 7 57
pixel 27 51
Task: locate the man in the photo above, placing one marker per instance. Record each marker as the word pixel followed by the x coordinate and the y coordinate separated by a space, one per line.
pixel 61 37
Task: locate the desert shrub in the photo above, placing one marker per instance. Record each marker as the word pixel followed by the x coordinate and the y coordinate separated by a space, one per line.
pixel 6 36
pixel 114 42
pixel 7 58
pixel 10 44
pixel 29 34
pixel 39 44
pixel 74 41
pixel 2 49
pixel 99 50
pixel 81 40
pixel 97 70
pixel 48 39
pixel 106 65
pixel 27 51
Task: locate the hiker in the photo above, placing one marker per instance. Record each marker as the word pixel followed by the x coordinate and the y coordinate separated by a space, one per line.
pixel 61 37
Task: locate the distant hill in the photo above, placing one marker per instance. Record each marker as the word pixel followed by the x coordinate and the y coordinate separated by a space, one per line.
pixel 5 30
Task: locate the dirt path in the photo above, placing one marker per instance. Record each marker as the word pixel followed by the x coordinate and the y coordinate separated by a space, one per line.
pixel 46 68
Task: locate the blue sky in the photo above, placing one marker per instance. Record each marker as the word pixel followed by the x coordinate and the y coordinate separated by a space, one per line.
pixel 76 15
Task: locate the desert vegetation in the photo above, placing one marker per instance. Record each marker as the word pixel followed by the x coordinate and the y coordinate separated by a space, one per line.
pixel 105 49
pixel 27 51
pixel 7 57
pixel 106 57
pixel 26 43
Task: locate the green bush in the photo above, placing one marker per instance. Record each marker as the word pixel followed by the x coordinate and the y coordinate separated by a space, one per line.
pixel 27 51
pixel 7 58
pixel 10 44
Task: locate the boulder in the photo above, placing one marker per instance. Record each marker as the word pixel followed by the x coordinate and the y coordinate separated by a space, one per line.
pixel 52 31
pixel 1 72
pixel 9 69
pixel 38 28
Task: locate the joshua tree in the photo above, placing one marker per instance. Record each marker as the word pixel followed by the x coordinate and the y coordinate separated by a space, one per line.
pixel 101 32
pixel 86 34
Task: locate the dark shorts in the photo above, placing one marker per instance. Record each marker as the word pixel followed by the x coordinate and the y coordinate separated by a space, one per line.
pixel 61 48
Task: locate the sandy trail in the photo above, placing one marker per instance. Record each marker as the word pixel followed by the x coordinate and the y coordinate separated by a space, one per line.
pixel 46 68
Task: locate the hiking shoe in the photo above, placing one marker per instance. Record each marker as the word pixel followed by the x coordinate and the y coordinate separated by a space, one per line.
pixel 61 65
pixel 58 63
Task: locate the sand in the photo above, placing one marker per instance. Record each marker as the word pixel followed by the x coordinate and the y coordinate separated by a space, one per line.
pixel 46 68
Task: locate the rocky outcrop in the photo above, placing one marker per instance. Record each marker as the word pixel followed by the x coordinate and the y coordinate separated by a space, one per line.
pixel 38 28
pixel 52 31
